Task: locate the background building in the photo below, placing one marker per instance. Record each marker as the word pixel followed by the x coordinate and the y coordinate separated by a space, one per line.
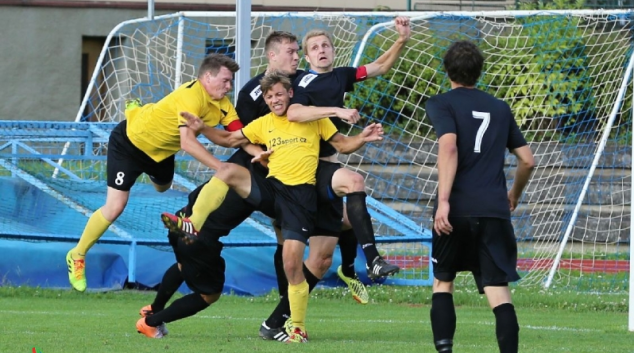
pixel 48 48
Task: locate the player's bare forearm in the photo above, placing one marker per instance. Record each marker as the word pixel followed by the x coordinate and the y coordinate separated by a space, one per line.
pixel 525 166
pixel 253 150
pixel 198 151
pixel 447 165
pixel 301 113
pixel 347 144
pixel 386 61
pixel 229 139
pixel 217 136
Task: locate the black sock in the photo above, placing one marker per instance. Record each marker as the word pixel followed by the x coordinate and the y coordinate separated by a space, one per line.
pixel 348 247
pixel 181 308
pixel 311 279
pixel 362 224
pixel 443 321
pixel 172 279
pixel 282 283
pixel 506 328
pixel 283 309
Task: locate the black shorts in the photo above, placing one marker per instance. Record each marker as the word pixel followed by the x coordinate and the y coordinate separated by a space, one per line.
pixel 202 267
pixel 485 246
pixel 125 162
pixel 294 206
pixel 242 158
pixel 329 205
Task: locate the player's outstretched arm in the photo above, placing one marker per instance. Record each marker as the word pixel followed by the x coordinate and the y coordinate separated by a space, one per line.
pixel 217 136
pixel 299 113
pixel 191 145
pixel 525 166
pixel 385 62
pixel 348 144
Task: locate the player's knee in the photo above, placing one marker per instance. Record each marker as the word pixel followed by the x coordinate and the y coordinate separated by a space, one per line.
pixel 442 286
pixel 162 188
pixel 293 270
pixel 226 171
pixel 211 298
pixel 112 210
pixel 348 182
pixel 356 182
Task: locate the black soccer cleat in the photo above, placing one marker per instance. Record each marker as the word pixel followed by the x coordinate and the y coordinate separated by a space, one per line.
pixel 381 268
pixel 273 334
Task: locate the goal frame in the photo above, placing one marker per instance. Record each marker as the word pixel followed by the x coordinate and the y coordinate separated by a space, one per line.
pixel 243 51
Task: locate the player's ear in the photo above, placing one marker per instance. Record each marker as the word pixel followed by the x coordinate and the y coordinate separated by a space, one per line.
pixel 290 92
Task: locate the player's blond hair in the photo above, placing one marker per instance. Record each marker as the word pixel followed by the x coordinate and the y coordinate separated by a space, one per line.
pixel 272 78
pixel 315 33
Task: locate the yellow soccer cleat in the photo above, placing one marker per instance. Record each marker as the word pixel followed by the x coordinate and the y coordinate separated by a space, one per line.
pixel 297 336
pixel 76 272
pixel 357 289
pixel 133 103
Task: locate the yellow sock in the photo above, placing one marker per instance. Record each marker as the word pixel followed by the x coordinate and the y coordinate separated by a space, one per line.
pixel 96 226
pixel 298 300
pixel 209 199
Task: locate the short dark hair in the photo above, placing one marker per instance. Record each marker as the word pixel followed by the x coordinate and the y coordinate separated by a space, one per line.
pixel 278 37
pixel 463 63
pixel 213 62
pixel 272 78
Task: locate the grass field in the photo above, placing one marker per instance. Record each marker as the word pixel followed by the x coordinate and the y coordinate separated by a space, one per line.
pixel 397 320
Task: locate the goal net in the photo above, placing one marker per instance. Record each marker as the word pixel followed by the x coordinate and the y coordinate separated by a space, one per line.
pixel 564 74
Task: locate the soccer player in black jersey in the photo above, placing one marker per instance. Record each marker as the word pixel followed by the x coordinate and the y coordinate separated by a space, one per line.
pixel 289 187
pixel 199 264
pixel 320 93
pixel 281 49
pixel 472 213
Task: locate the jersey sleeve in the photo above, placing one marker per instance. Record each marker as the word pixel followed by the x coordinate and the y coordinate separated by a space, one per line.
pixel 515 139
pixel 326 129
pixel 440 116
pixel 246 107
pixel 187 101
pixel 229 111
pixel 253 132
pixel 348 76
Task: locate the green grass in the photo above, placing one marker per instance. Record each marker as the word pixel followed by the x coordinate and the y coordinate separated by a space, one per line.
pixel 397 320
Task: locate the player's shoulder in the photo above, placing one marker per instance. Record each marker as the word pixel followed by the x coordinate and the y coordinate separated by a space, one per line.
pixel 252 87
pixel 264 118
pixel 225 104
pixel 296 75
pixel 305 79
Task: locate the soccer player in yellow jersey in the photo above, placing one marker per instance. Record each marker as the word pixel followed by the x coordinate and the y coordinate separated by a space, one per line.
pixel 293 150
pixel 148 140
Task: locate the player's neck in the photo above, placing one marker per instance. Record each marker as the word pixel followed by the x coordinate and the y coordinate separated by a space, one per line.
pixel 319 70
pixel 455 85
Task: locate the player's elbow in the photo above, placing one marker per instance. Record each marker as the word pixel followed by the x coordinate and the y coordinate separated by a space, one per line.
pixel 449 150
pixel 235 143
pixel 528 162
pixel 293 113
pixel 186 144
pixel 525 158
